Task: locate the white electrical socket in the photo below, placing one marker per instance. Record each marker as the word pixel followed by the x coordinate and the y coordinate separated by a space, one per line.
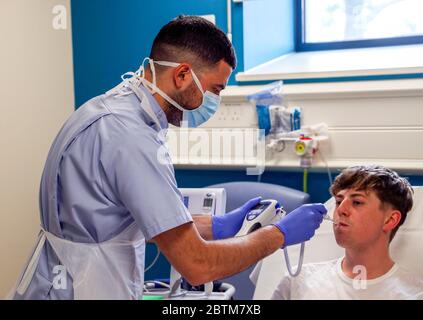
pixel 234 115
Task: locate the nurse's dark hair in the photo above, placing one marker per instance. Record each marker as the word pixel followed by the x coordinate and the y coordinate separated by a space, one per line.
pixel 194 40
pixel 389 187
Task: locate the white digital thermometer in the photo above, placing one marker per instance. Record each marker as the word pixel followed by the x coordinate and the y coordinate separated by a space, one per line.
pixel 263 214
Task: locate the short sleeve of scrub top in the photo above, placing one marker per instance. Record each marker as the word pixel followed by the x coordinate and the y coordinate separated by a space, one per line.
pixel 139 172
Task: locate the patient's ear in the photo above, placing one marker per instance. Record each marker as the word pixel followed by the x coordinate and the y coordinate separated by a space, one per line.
pixel 393 217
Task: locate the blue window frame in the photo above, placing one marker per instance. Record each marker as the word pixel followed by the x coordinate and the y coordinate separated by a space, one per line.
pixel 343 24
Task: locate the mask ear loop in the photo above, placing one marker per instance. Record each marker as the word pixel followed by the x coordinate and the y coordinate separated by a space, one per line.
pixel 134 76
pixel 197 81
pixel 174 65
pixel 141 74
pixel 167 64
pixel 154 89
pixel 194 76
pixel 150 86
pixel 141 71
pixel 153 72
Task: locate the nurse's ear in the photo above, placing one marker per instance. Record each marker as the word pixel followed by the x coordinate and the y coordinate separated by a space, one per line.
pixel 182 76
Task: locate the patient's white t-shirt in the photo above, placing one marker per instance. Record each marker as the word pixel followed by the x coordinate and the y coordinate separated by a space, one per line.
pixel 327 281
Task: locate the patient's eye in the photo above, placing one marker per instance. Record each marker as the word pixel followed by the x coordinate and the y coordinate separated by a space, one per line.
pixel 357 203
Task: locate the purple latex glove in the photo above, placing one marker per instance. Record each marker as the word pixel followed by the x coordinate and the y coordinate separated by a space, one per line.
pixel 300 225
pixel 227 225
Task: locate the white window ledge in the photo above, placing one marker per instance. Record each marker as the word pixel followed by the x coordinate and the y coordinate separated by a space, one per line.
pixel 334 90
pixel 339 63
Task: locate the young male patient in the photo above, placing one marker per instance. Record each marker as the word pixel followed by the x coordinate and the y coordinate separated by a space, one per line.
pixel 372 202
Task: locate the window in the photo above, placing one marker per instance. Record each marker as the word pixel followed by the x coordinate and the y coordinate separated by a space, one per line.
pixel 340 24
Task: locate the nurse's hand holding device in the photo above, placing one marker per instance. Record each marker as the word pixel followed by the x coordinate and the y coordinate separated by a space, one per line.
pixel 294 227
pixel 263 214
pixel 291 225
pixel 227 225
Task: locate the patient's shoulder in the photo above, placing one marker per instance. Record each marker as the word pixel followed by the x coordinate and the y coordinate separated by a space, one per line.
pixel 407 276
pixel 406 284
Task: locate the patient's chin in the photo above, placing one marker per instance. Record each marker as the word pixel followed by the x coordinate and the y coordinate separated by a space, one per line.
pixel 343 241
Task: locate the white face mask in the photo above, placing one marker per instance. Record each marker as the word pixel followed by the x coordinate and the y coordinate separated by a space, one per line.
pixel 191 118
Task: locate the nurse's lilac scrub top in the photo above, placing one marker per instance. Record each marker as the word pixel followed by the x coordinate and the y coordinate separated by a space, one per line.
pixel 109 175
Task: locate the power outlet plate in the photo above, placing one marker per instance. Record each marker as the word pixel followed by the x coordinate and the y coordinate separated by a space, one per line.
pixel 234 115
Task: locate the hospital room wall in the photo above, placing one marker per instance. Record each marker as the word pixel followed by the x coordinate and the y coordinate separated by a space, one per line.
pixel 110 38
pixel 36 86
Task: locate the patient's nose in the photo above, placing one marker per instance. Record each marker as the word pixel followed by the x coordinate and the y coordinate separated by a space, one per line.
pixel 343 208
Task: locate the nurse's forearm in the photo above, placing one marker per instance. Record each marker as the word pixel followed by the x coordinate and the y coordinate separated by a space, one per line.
pixel 203 224
pixel 201 261
pixel 223 258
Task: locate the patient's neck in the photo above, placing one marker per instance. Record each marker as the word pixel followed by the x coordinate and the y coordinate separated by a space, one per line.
pixel 374 258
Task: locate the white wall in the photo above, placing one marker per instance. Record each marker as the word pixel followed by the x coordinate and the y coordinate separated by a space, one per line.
pixel 370 122
pixel 36 96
